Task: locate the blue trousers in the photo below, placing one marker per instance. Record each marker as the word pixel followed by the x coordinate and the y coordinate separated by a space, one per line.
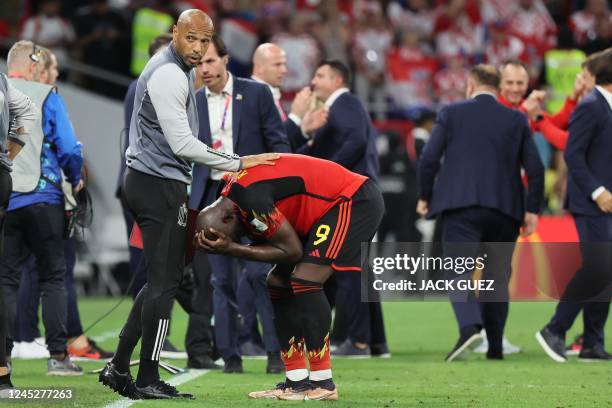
pixel 28 298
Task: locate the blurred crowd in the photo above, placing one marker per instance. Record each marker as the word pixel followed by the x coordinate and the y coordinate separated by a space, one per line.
pixel 404 54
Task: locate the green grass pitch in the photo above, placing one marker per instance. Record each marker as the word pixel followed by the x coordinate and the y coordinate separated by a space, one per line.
pixel 419 334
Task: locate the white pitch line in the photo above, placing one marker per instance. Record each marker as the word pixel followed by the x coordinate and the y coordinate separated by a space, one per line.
pixel 176 381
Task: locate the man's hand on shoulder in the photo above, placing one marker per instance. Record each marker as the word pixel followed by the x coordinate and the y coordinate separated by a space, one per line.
pixel 267 159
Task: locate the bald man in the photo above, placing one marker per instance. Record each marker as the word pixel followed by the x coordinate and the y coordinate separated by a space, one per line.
pixel 270 68
pixel 159 159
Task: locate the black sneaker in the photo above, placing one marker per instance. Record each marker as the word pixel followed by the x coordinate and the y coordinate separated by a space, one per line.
pixel 159 390
pixel 380 350
pixel 469 337
pixel 203 362
pixel 553 345
pixel 275 364
pixel 122 384
pixel 594 355
pixel 349 350
pixel 233 366
pixel 97 349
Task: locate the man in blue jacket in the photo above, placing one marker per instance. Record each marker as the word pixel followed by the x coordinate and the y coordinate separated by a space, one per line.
pixel 237 116
pixel 349 139
pixel 589 162
pixel 35 217
pixel 470 174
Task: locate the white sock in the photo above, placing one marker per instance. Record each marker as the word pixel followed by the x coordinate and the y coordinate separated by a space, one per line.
pixel 297 375
pixel 321 375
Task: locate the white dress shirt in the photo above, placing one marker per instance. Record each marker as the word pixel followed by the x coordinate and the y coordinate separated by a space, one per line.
pixel 335 95
pixel 276 95
pixel 220 119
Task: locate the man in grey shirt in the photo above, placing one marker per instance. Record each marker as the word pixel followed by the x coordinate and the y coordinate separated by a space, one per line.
pixel 17 115
pixel 163 146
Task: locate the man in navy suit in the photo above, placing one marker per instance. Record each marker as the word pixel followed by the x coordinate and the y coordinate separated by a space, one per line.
pixel 479 195
pixel 347 138
pixel 589 162
pixel 236 116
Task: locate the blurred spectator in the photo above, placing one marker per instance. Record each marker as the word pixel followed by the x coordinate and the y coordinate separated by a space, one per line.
pixel 496 10
pixel 416 15
pixel 531 22
pixel 603 37
pixel 333 33
pixel 302 52
pixel 371 41
pixel 450 82
pixel 583 23
pixel 411 71
pixel 101 32
pixel 459 29
pixel 147 24
pixel 503 46
pixel 50 30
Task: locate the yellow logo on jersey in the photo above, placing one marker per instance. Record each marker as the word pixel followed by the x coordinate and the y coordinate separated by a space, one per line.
pixel 322 233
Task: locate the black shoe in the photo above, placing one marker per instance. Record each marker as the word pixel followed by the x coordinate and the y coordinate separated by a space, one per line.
pixel 469 337
pixel 275 364
pixel 594 355
pixel 380 350
pixel 553 345
pixel 97 349
pixel 233 365
pixel 350 350
pixel 159 390
pixel 123 384
pixel 203 362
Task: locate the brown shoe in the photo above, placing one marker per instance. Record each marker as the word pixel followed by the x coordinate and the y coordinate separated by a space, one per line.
pixel 315 394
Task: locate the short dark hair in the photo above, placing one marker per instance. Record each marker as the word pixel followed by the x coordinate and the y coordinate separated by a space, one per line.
pixel 601 66
pixel 220 46
pixel 486 74
pixel 514 62
pixel 339 68
pixel 158 42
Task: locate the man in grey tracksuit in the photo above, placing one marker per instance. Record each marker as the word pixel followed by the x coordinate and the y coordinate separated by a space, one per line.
pixel 163 146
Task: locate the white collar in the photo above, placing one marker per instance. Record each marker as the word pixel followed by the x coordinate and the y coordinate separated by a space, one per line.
pixel 484 93
pixel 228 89
pixel 606 94
pixel 276 93
pixel 335 95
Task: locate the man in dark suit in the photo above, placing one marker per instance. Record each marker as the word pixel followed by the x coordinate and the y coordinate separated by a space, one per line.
pixel 347 138
pixel 236 116
pixel 589 162
pixel 479 195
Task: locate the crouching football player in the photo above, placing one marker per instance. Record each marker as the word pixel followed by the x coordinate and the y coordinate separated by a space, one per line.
pixel 308 216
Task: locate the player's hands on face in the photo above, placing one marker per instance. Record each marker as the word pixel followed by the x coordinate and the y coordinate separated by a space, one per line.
pixel 257 159
pixel 222 244
pixel 301 102
pixel 604 201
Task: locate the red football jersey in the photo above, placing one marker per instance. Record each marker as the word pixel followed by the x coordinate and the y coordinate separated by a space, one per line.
pixel 300 189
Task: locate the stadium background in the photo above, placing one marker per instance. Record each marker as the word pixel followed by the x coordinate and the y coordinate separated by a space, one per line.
pixel 407 56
